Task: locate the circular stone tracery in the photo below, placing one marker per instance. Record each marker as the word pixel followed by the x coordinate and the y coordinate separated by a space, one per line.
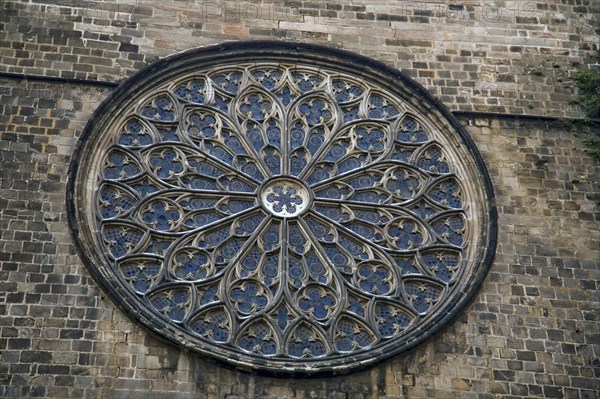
pixel 293 215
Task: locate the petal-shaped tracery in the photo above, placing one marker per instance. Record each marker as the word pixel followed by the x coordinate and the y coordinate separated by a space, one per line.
pixel 287 214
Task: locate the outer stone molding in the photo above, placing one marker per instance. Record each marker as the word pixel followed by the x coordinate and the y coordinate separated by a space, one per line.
pixel 282 208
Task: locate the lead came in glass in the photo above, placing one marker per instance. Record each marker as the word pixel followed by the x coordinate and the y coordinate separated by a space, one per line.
pixel 283 215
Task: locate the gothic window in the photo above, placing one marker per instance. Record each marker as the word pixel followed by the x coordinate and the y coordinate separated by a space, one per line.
pixel 282 207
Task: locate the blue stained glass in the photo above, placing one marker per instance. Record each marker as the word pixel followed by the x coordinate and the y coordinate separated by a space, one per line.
pixel 229 81
pixel 306 81
pixel 121 239
pixel 172 303
pixel 423 210
pixel 250 262
pixel 351 163
pixel 235 185
pixel 377 280
pixel 120 166
pixel 286 95
pixel 352 336
pixel 256 106
pixel 345 91
pixel 161 215
pixel 322 231
pixel 404 184
pixel 218 151
pixel 141 274
pixel 249 297
pixel 332 212
pixel 202 125
pixel 410 132
pixel 371 216
pixel 364 181
pixel 145 187
pixel 365 231
pixel 228 250
pixel 158 246
pixel 193 203
pixel 337 151
pixel 267 78
pixel 273 160
pixel 214 238
pixel 451 229
pixel 222 103
pixel 200 219
pixel 168 135
pixel 270 237
pixel 193 91
pixel 135 135
pixel 258 338
pixel 447 193
pixel 316 267
pixel 198 182
pixel 406 234
pixel 205 168
pixel 249 167
pixel 321 173
pixel 370 139
pixel 355 306
pixel 422 295
pixel 316 138
pixel 296 270
pixel 315 112
pixel 274 133
pixel 167 164
pixel 402 154
pixel 305 342
pixel 270 269
pixel 406 265
pixel 354 248
pixel 380 108
pixel 317 301
pixel 370 196
pixel 114 202
pixel 433 161
pixel 208 295
pixel 338 259
pixel 191 265
pixel 391 320
pixel 443 264
pixel 298 161
pixel 213 325
pixel 297 240
pixel 334 192
pixel 350 113
pixel 283 317
pixel 161 108
pixel 254 135
pixel 297 135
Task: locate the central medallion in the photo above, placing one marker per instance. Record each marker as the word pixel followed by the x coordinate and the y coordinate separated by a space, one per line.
pixel 285 197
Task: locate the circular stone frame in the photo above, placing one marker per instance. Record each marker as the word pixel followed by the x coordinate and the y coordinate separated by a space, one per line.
pixel 378 335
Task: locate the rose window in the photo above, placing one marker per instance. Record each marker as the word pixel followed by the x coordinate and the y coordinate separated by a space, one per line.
pixel 283 208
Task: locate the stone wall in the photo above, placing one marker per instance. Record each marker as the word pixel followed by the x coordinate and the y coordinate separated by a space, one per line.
pixel 532 330
pixel 475 55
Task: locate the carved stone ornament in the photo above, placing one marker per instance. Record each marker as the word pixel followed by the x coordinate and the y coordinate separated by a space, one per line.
pixel 283 208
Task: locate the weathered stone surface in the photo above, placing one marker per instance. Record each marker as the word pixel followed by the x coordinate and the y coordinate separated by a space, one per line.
pixel 532 331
